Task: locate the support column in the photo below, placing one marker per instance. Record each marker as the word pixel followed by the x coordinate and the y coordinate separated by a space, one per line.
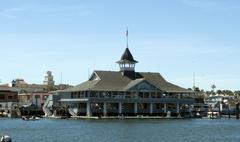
pixel 179 96
pixel 189 108
pixel 89 113
pixel 119 107
pixel 220 109
pixel 229 113
pixel 104 109
pixel 165 108
pixel 135 108
pixel 178 108
pixel 237 110
pixel 151 108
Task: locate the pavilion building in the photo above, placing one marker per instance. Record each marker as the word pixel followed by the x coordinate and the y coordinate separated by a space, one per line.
pixel 125 92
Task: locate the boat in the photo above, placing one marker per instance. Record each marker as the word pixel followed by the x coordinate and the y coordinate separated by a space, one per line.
pixel 214 115
pixel 73 111
pixel 5 138
pixel 32 118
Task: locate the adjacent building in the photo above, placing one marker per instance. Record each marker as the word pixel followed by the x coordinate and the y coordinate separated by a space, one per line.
pixel 48 79
pixel 27 97
pixel 8 98
pixel 124 92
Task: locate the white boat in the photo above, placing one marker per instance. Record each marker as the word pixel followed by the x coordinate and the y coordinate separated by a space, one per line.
pixel 5 139
pixel 32 118
pixel 73 111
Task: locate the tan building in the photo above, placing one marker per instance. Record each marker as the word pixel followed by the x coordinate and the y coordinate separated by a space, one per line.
pixel 8 97
pixel 49 79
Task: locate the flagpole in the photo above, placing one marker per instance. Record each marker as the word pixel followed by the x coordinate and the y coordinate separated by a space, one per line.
pixel 127 37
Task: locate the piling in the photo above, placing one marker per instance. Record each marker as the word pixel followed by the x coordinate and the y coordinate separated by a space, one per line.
pixel 229 113
pixel 237 110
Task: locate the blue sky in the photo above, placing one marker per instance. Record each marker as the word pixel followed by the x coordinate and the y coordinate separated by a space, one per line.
pixel 175 38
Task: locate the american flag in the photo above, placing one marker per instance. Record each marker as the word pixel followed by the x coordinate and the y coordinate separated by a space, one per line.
pixel 126 33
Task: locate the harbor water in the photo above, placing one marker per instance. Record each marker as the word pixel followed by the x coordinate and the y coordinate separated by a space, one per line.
pixel 134 130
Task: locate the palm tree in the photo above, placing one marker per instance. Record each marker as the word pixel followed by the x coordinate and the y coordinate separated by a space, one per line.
pixel 213 87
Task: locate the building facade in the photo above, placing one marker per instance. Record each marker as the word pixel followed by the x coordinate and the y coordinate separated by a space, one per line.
pixel 29 96
pixel 48 80
pixel 8 98
pixel 124 92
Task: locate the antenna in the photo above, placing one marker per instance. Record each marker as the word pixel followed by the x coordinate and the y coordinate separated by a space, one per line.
pixel 94 65
pixel 88 83
pixel 88 73
pixel 194 82
pixel 61 78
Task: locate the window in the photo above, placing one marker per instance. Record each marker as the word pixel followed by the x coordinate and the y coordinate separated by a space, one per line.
pixel 109 94
pixel 134 95
pixel 140 94
pixel 128 95
pixel 45 97
pixel 10 97
pixel 2 97
pixel 159 94
pixel 93 94
pixel 146 95
pixel 101 94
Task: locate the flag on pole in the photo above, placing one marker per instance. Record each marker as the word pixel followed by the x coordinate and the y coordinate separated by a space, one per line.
pixel 127 37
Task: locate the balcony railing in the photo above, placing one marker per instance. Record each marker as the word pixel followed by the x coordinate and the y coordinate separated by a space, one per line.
pixel 144 100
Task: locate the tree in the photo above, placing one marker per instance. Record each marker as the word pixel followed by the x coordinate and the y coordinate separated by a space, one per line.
pixel 237 93
pixel 227 92
pixel 199 93
pixel 196 89
pixel 219 92
pixel 213 93
pixel 213 86
pixel 49 88
pixel 208 93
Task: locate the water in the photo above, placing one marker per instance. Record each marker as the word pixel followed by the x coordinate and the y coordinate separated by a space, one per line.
pixel 69 130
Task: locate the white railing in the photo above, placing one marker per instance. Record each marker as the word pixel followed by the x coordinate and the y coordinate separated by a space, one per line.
pixel 73 111
pixel 45 107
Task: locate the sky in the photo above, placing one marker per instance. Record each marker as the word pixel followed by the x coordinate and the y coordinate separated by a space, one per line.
pixel 178 38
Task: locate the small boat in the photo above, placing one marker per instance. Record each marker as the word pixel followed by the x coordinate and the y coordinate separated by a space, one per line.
pixel 215 117
pixel 5 139
pixel 32 118
pixel 197 115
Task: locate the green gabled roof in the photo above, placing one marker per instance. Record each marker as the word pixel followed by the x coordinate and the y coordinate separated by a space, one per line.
pixel 115 81
pixel 87 85
pixel 158 81
pixel 133 83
